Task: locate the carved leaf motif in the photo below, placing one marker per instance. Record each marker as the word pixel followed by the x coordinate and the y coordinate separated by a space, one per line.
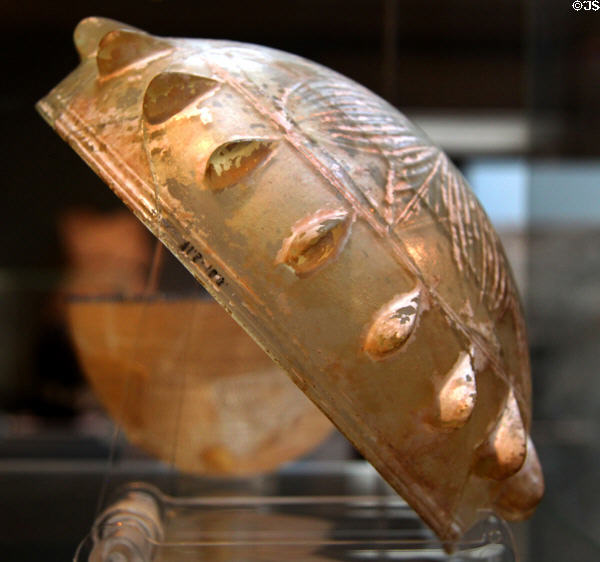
pixel 421 181
pixel 349 116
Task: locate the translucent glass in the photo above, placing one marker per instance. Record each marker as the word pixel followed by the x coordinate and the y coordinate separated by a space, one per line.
pixel 143 524
pixel 338 236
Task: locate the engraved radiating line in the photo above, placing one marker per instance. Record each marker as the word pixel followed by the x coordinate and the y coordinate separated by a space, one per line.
pixel 454 222
pixel 365 148
pixel 406 150
pixel 333 112
pixel 376 223
pixel 495 263
pixel 348 95
pixel 363 111
pixel 370 132
pixel 383 131
pixel 372 146
pixel 418 193
pixel 484 272
pixel 364 120
pixel 503 288
pixel 388 214
pixel 351 98
pixel 457 209
pixel 491 261
pixel 372 140
pixel 464 214
pixel 346 100
pixel 367 129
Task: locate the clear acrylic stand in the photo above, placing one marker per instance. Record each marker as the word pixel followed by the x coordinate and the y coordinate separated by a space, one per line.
pixel 143 524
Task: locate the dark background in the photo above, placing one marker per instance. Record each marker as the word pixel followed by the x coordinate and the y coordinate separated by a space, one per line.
pixel 536 61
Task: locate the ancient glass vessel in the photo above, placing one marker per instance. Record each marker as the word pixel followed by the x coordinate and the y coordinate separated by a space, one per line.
pixel 338 236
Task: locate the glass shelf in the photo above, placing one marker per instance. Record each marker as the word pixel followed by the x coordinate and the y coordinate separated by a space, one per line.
pixel 143 524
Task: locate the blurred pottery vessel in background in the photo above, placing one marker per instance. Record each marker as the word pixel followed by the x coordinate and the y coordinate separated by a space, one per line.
pixel 189 386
